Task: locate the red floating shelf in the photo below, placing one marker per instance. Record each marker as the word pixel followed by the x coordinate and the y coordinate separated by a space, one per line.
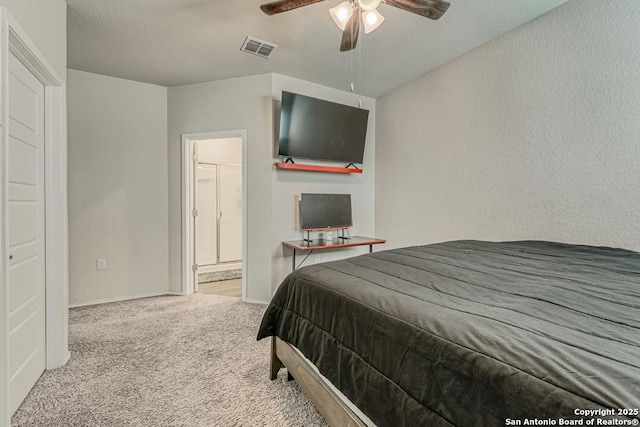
pixel 316 168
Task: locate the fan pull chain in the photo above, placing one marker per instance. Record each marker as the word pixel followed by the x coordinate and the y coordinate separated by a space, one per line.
pixel 351 57
pixel 360 70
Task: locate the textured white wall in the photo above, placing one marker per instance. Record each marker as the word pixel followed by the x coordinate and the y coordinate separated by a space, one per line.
pixel 117 187
pixel 46 24
pixel 288 185
pixel 234 104
pixel 535 135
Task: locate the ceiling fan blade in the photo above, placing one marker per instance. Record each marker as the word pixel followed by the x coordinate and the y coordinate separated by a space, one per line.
pixel 351 31
pixel 432 9
pixel 285 5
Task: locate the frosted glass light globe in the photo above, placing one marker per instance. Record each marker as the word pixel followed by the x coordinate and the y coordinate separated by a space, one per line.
pixel 341 14
pixel 372 19
pixel 368 5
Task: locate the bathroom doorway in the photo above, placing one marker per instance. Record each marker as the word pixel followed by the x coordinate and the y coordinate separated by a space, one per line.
pixel 216 211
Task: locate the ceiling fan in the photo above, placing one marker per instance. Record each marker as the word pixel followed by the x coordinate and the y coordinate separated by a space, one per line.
pixel 348 14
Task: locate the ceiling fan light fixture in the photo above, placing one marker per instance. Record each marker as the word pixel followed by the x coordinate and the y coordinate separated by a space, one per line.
pixel 341 14
pixel 368 5
pixel 371 19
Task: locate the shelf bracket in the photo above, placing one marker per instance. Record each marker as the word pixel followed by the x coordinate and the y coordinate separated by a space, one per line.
pixel 351 164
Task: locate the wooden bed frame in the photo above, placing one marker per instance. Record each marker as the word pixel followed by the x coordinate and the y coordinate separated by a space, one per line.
pixel 328 403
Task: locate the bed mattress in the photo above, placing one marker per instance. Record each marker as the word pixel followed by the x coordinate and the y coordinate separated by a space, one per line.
pixel 471 333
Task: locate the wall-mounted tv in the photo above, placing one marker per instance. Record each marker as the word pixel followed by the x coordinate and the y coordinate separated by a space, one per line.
pixel 325 211
pixel 311 128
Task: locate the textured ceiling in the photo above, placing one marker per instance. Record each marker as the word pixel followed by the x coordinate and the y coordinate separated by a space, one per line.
pixel 176 42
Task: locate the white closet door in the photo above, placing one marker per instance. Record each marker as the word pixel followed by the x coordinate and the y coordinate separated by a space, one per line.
pixel 26 231
pixel 206 221
pixel 230 213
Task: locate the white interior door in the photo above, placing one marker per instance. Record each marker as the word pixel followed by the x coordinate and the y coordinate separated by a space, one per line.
pixel 26 231
pixel 207 218
pixel 230 213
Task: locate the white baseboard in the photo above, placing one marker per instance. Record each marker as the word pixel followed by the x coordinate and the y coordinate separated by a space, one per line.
pixel 116 299
pixel 255 301
pixel 176 293
pixel 66 358
pixel 152 294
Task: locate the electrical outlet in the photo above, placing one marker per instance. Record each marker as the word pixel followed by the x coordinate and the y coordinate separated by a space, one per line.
pixel 101 264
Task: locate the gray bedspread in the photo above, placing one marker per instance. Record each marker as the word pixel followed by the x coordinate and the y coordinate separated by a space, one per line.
pixel 470 333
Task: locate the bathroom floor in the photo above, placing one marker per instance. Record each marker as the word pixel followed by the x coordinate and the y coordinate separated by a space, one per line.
pixel 227 288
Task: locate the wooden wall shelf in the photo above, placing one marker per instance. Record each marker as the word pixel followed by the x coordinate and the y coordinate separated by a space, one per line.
pixel 316 168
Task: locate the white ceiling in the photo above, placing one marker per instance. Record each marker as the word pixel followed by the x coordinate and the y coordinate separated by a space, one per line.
pixel 176 42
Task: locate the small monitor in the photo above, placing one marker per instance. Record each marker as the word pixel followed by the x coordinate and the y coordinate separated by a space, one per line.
pixel 325 211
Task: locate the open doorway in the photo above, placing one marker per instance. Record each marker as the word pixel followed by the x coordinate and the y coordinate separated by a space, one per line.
pixel 215 209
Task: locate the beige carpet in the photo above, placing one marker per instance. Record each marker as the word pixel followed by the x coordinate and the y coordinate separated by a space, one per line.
pixel 166 361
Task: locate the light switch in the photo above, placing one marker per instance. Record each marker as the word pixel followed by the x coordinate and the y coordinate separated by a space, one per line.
pixel 101 264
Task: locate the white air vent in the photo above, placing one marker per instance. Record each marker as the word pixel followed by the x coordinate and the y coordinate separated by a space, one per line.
pixel 258 47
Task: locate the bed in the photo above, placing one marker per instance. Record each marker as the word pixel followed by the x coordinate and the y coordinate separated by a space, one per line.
pixel 468 333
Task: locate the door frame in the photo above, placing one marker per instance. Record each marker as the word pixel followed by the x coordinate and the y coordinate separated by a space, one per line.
pixel 188 204
pixel 15 40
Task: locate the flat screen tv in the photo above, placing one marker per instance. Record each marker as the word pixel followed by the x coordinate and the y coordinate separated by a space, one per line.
pixel 311 128
pixel 325 211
